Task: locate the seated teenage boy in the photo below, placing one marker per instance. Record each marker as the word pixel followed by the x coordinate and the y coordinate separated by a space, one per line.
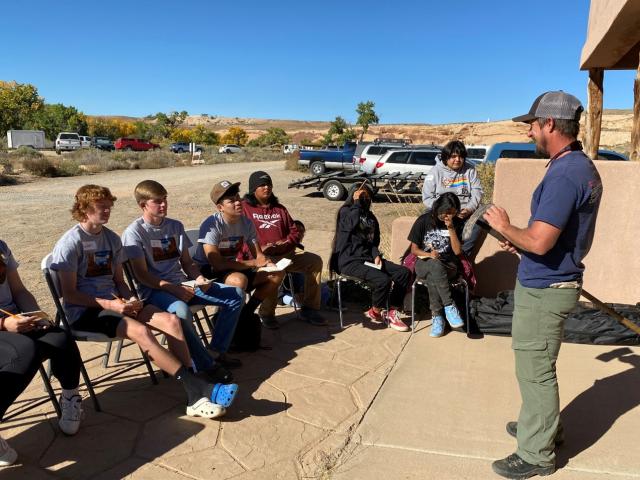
pixel 220 240
pixel 278 237
pixel 158 249
pixel 88 259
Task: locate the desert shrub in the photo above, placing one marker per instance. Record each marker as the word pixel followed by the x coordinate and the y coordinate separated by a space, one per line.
pixel 7 180
pixel 155 159
pixel 68 167
pixel 291 163
pixel 26 152
pixel 486 174
pixel 41 167
pixel 6 164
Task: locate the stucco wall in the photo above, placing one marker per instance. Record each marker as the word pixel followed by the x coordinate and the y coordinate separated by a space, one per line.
pixel 613 264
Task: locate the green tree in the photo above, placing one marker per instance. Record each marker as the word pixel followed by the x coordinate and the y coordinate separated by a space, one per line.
pixel 339 132
pixel 165 124
pixel 201 135
pixel 55 118
pixel 18 104
pixel 236 136
pixel 366 116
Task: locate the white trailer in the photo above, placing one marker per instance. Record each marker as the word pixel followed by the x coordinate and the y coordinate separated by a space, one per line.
pixel 29 138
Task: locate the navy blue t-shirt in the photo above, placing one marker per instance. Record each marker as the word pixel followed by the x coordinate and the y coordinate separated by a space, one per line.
pixel 567 198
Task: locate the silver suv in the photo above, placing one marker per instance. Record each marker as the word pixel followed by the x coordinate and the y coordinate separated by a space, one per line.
pixel 67 142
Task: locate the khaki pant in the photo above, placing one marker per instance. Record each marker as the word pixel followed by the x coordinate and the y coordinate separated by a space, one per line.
pixel 538 325
pixel 311 265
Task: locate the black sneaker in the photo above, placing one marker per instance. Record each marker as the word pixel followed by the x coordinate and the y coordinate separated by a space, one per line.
pixel 216 374
pixel 512 429
pixel 228 362
pixel 313 317
pixel 270 322
pixel 516 468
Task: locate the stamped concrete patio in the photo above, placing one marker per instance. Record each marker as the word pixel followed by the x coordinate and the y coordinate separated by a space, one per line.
pixel 361 403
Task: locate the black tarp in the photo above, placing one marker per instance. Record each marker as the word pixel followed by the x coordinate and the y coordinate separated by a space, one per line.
pixel 585 324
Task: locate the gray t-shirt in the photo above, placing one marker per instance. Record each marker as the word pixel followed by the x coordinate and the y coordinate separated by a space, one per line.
pixel 7 262
pixel 161 246
pixel 93 258
pixel 228 237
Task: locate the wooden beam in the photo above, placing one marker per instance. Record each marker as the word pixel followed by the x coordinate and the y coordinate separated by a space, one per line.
pixel 634 153
pixel 594 112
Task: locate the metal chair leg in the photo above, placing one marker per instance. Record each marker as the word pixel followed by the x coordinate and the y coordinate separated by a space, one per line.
pixel 147 363
pixel 47 385
pixel 293 295
pixel 118 350
pixel 203 335
pixel 87 382
pixel 338 281
pixel 107 352
pixel 413 307
pixel 208 320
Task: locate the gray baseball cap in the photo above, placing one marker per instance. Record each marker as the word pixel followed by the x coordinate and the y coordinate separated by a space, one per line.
pixel 558 104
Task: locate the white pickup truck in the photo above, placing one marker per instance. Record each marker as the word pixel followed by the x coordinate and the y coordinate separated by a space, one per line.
pixel 67 142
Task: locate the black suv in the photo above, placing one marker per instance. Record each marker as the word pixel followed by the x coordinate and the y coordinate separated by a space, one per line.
pixel 102 143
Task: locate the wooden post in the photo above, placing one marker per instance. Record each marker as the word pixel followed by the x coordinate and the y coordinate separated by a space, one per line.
pixel 634 153
pixel 594 112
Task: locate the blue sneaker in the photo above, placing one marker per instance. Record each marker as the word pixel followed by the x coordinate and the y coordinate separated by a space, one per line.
pixel 437 326
pixel 453 316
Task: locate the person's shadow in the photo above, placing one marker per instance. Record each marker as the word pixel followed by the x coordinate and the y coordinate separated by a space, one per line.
pixel 602 404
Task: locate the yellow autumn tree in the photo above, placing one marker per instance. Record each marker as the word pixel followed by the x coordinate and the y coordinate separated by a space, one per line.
pixel 235 135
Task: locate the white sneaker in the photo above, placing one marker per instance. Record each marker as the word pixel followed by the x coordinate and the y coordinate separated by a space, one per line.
pixel 71 408
pixel 8 455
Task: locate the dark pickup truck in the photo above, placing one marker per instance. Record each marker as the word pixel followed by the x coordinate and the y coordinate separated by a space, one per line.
pixel 328 158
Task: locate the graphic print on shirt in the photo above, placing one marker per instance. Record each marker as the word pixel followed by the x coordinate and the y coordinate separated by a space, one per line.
pixel 367 227
pixel 230 246
pixel 267 220
pixel 164 249
pixel 436 240
pixel 3 268
pixel 462 183
pixel 99 263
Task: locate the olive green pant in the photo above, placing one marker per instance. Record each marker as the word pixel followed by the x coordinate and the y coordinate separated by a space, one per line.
pixel 538 324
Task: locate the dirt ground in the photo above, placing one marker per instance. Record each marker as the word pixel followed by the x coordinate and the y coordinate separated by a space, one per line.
pixel 36 214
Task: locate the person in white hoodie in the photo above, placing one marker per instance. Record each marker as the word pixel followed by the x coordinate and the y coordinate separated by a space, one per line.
pixel 454 174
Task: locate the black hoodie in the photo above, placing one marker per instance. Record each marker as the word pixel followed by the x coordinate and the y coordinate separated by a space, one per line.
pixel 358 235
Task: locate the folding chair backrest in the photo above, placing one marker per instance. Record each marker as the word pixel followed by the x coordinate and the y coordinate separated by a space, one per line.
pixel 130 276
pixel 53 282
pixel 193 235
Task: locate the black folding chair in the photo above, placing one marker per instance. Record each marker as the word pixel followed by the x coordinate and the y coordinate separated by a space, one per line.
pixel 81 336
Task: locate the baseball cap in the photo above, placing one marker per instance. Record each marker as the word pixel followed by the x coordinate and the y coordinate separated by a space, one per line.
pixel 257 179
pixel 223 189
pixel 555 104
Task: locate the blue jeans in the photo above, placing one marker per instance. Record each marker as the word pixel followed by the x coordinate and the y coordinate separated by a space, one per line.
pixel 230 301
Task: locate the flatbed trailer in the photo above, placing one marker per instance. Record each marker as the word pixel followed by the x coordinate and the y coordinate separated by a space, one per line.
pixel 335 185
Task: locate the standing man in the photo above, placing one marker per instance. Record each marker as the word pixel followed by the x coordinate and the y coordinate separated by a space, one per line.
pixel 559 234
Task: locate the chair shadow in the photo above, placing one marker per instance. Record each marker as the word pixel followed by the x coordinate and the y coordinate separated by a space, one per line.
pixel 602 404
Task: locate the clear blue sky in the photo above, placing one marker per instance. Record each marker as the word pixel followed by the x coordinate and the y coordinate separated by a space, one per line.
pixel 419 61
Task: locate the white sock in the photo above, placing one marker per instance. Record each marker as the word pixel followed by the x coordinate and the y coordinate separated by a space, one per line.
pixel 70 393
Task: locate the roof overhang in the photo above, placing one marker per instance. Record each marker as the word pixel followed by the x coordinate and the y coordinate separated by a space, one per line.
pixel 613 35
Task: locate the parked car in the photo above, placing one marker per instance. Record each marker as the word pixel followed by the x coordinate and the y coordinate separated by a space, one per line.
pixel 182 147
pixel 338 158
pixel 230 148
pixel 374 151
pixel 67 142
pixel 85 141
pixel 528 150
pixel 477 153
pixel 102 143
pixel 415 160
pixel 136 144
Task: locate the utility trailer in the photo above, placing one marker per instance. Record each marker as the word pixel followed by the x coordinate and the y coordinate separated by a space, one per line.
pixel 335 185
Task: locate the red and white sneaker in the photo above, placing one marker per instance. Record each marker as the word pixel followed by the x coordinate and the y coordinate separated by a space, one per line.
pixel 393 318
pixel 374 316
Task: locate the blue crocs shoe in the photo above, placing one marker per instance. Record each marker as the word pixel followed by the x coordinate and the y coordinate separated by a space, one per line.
pixel 437 326
pixel 453 316
pixel 224 395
